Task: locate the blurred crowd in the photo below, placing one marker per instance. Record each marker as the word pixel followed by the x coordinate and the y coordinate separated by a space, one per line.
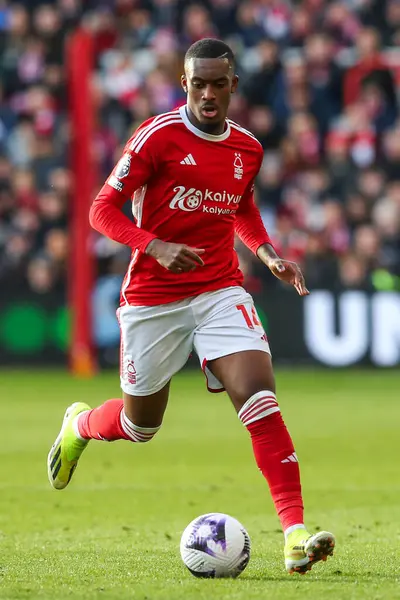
pixel 318 87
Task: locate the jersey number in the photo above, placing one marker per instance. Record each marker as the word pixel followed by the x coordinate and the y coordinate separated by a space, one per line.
pixel 251 321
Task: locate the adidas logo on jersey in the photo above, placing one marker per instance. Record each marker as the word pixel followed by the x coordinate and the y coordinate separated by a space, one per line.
pixel 188 160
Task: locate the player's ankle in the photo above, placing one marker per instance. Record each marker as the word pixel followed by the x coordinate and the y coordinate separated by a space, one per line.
pixel 293 528
pixel 76 428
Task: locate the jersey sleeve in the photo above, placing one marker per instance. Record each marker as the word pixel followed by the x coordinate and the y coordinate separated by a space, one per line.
pixel 133 170
pixel 248 223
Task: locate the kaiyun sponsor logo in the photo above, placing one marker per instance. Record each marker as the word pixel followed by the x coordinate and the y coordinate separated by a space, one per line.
pixel 192 198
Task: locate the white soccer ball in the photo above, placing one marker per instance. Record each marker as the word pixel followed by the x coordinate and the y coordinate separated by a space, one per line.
pixel 215 545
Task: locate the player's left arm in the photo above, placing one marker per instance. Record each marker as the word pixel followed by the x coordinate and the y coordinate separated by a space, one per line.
pixel 251 231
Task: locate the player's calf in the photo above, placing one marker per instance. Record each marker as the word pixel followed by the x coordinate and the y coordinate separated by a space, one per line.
pixel 277 460
pixel 109 422
pixel 275 455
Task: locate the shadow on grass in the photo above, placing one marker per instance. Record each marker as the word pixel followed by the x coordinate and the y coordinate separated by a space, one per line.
pixel 331 577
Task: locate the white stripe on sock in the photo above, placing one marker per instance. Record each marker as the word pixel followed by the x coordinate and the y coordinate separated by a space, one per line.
pixel 75 425
pixel 136 433
pixel 258 406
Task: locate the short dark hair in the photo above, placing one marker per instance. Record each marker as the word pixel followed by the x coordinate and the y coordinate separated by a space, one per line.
pixel 210 48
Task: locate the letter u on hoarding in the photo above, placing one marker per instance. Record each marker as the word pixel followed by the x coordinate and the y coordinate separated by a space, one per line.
pixel 351 343
pixel 385 347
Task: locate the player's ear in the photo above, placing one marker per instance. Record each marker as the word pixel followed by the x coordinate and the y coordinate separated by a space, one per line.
pixel 184 83
pixel 235 81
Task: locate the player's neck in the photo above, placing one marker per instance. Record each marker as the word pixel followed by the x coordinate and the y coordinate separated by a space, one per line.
pixel 214 129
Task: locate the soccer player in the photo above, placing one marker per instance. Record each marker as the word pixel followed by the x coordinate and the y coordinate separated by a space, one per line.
pixel 190 174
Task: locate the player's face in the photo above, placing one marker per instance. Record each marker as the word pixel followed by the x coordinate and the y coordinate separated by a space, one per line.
pixel 209 83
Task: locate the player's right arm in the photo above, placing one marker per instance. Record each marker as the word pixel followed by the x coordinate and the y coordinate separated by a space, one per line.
pixel 106 216
pixel 133 171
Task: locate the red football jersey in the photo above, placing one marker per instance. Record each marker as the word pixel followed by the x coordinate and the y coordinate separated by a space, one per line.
pixel 188 187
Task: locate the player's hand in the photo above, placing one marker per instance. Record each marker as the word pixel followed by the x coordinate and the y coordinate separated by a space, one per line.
pixel 290 272
pixel 177 258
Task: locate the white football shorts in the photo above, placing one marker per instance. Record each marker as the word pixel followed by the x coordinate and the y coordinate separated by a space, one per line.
pixel 156 341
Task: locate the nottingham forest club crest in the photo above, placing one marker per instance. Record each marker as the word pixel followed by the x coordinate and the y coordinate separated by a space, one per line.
pixel 238 166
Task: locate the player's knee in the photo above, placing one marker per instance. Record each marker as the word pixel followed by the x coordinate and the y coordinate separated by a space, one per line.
pixel 243 392
pixel 135 433
pixel 260 405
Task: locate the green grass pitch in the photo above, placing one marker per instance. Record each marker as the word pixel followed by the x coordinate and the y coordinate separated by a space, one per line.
pixel 114 533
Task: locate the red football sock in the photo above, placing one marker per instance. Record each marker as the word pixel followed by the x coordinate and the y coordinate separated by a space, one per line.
pixel 109 422
pixel 275 456
pixel 103 422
